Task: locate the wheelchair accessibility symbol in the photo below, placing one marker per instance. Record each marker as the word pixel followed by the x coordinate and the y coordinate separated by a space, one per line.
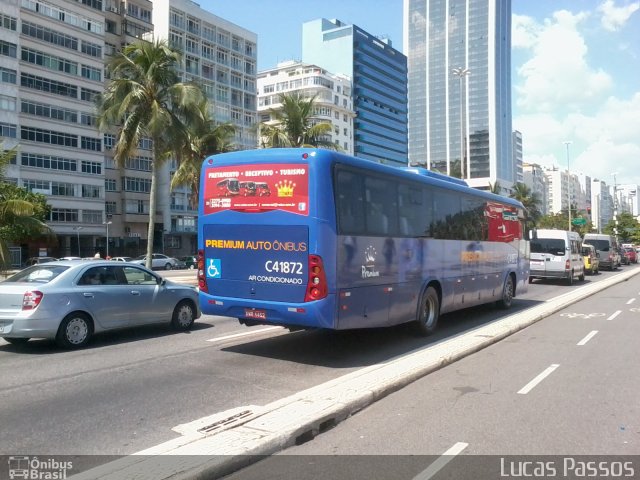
pixel 213 268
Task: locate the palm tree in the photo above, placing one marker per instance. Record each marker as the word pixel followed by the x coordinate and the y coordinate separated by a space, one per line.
pixel 531 202
pixel 495 187
pixel 15 211
pixel 203 138
pixel 294 126
pixel 145 98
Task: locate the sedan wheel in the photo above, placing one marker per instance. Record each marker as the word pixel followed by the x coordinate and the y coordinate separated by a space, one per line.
pixel 183 316
pixel 167 266
pixel 75 331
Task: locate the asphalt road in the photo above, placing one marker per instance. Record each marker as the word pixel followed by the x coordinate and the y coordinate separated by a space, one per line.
pixel 562 391
pixel 128 389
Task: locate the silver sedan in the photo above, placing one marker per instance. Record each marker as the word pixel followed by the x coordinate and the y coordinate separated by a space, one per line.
pixel 69 301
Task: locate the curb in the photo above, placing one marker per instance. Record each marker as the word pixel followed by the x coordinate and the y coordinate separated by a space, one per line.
pixel 281 424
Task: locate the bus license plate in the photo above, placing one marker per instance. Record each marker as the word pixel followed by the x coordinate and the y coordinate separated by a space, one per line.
pixel 253 313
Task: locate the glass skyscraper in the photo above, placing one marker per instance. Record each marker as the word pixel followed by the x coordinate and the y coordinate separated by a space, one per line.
pixel 379 75
pixel 459 54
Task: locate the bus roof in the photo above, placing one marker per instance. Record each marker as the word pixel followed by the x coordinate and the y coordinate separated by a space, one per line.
pixel 271 155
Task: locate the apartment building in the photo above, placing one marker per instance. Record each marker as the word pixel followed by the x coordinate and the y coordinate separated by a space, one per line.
pixel 332 104
pixel 534 177
pixel 51 70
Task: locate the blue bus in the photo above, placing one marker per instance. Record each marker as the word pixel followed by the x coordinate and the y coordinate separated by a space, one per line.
pixel 345 243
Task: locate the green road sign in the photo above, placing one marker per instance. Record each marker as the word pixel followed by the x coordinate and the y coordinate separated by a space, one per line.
pixel 579 221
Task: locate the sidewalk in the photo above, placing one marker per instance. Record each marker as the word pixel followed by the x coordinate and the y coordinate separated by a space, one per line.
pixel 245 434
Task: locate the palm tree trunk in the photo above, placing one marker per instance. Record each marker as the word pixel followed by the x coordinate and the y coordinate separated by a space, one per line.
pixel 152 211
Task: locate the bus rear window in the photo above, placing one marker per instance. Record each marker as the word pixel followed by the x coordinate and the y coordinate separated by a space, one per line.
pixel 257 188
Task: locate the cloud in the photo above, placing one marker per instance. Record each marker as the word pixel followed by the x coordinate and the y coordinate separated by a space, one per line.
pixel 557 74
pixel 603 142
pixel 614 18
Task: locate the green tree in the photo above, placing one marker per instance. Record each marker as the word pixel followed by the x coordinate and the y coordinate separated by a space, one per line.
pixel 531 202
pixel 560 221
pixel 22 213
pixel 144 98
pixel 203 138
pixel 495 187
pixel 293 125
pixel 628 228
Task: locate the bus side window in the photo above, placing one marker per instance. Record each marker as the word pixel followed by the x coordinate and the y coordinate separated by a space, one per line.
pixel 382 206
pixel 349 203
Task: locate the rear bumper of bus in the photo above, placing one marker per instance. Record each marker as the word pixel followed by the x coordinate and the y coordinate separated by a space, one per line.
pixel 317 314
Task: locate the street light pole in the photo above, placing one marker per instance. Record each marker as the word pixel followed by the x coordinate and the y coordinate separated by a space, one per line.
pixel 461 73
pixel 107 224
pixel 567 143
pixel 615 204
pixel 77 229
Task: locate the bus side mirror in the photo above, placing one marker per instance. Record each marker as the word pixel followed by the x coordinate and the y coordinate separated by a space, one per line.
pixel 533 234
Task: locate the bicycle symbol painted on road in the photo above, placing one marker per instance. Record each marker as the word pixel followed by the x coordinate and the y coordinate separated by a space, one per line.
pixel 582 315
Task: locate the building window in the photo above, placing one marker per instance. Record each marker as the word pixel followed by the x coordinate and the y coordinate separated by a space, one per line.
pixel 93 144
pixel 65 215
pixel 94 168
pixel 92 216
pixel 49 86
pixel 8 49
pixel 110 185
pixel 8 76
pixel 110 208
pixel 48 161
pixel 8 130
pixel 48 136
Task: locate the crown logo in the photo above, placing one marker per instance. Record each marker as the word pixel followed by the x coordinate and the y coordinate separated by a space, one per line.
pixel 285 188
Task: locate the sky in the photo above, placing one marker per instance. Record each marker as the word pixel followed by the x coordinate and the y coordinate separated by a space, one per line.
pixel 575 70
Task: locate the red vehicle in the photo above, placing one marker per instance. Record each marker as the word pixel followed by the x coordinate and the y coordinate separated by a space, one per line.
pixel 229 187
pixel 631 254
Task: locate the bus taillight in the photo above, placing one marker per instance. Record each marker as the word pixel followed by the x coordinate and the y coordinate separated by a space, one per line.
pixel 317 284
pixel 202 282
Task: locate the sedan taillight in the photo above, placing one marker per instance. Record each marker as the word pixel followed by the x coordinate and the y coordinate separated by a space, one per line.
pixel 31 299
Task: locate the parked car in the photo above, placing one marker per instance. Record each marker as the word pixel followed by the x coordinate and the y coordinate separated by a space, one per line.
pixel 70 258
pixel 158 261
pixel 631 254
pixel 39 260
pixel 591 260
pixel 70 301
pixel 190 261
pixel 122 259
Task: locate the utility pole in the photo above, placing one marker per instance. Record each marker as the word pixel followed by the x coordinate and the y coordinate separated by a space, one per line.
pixel 567 143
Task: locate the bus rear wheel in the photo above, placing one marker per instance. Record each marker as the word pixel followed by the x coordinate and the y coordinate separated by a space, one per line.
pixel 508 290
pixel 428 313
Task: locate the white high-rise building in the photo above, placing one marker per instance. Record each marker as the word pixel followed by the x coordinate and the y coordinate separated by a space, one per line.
pixel 534 177
pixel 332 104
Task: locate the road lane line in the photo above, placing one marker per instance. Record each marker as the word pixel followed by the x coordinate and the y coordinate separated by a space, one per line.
pixel 529 386
pixel 588 337
pixel 441 462
pixel 244 334
pixel 615 315
pixel 631 301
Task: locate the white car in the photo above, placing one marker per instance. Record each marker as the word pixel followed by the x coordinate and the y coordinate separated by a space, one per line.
pixel 159 261
pixel 122 259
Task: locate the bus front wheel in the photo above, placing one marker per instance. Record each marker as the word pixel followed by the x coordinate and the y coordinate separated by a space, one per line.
pixel 428 313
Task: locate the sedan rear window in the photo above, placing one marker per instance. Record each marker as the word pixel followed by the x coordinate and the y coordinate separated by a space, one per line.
pixel 37 274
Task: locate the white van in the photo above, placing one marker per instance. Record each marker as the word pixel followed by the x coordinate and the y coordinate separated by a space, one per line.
pixel 556 254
